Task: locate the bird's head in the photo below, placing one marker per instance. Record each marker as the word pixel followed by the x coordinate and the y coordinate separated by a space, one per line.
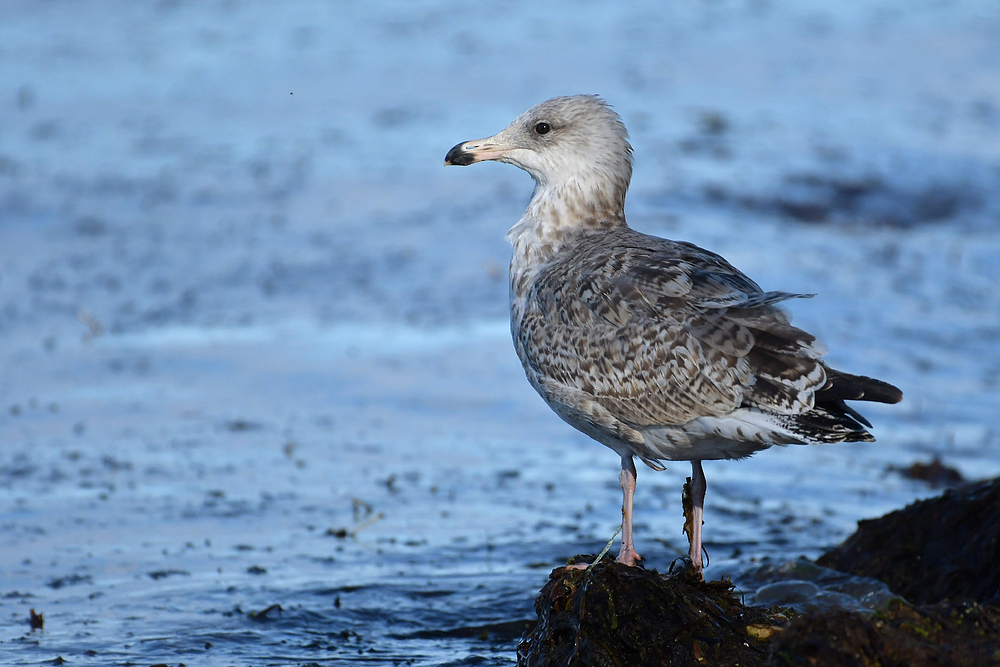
pixel 559 141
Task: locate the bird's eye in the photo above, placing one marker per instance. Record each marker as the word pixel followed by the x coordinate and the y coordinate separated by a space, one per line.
pixel 543 128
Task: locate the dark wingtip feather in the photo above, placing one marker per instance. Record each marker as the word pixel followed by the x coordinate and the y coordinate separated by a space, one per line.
pixel 846 387
pixel 852 412
pixel 841 387
pixel 883 392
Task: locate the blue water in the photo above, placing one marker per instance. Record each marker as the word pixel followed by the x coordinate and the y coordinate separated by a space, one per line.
pixel 254 338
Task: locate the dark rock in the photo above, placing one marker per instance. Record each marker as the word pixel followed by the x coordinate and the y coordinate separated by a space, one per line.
pixel 941 554
pixel 936 549
pixel 946 634
pixel 618 615
pixel 935 473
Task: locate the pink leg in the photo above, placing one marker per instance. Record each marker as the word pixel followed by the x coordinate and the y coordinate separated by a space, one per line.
pixel 698 485
pixel 628 555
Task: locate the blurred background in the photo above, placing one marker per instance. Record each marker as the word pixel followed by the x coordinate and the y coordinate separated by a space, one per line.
pixel 254 336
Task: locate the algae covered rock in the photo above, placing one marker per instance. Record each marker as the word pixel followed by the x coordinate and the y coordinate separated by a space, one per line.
pixel 935 549
pixel 618 615
pixel 941 554
pixel 612 614
pixel 947 634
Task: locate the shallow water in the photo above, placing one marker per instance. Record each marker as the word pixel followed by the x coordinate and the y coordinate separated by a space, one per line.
pixel 254 337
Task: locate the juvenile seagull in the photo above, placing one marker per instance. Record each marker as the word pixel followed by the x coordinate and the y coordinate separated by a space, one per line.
pixel 655 348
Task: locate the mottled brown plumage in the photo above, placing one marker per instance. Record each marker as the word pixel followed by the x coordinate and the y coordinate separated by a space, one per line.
pixel 656 348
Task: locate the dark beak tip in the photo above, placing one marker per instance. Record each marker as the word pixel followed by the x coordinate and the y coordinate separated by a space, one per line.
pixel 458 156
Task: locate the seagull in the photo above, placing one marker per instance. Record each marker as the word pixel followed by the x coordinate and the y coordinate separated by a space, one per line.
pixel 657 349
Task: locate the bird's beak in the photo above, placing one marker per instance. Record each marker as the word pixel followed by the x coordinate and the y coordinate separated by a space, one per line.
pixel 469 152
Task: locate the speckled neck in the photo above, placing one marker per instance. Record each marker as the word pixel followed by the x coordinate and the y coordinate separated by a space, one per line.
pixel 558 213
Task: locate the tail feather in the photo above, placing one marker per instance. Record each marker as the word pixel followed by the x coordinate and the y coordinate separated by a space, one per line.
pixel 829 424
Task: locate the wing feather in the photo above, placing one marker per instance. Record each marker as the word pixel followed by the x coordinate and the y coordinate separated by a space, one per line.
pixel 662 332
